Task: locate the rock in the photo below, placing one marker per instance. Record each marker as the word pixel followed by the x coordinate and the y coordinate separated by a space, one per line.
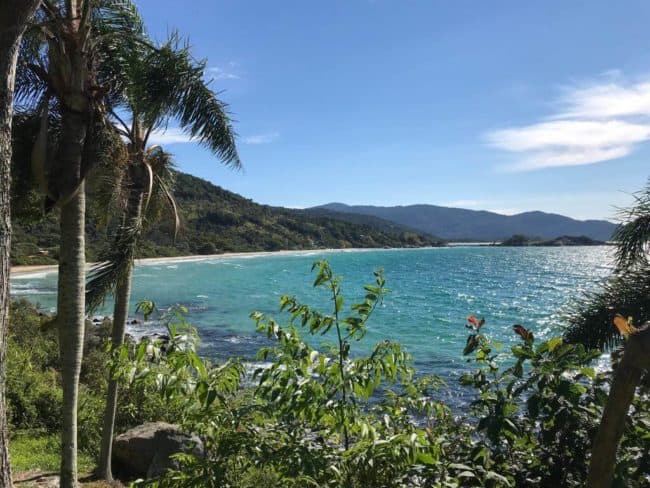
pixel 169 443
pixel 145 450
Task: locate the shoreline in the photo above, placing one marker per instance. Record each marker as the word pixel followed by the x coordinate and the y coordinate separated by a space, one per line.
pixel 27 271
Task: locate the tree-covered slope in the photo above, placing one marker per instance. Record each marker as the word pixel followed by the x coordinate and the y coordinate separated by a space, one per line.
pixel 216 220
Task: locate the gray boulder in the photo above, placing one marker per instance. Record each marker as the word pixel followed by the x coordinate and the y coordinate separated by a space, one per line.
pixel 146 450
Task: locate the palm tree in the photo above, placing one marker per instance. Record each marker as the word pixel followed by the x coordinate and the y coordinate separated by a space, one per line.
pixel 58 71
pixel 14 16
pixel 626 292
pixel 166 84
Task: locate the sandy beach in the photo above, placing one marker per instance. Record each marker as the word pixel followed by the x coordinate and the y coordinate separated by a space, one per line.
pixel 27 271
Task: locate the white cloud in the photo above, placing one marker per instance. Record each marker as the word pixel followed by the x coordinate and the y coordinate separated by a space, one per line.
pixel 221 74
pixel 171 135
pixel 570 134
pixel 593 123
pixel 608 100
pixel 260 138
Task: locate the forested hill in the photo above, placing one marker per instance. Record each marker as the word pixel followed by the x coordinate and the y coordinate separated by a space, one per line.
pixel 478 225
pixel 216 220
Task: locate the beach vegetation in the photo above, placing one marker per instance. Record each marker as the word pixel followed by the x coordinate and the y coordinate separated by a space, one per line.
pixel 307 421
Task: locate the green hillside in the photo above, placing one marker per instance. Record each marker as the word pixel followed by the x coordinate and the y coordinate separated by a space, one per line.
pixel 215 220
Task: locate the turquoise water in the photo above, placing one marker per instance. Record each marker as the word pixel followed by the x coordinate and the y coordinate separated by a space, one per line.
pixel 432 292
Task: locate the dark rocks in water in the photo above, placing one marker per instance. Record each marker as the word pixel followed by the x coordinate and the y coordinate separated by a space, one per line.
pixel 156 337
pixel 146 450
pixel 134 322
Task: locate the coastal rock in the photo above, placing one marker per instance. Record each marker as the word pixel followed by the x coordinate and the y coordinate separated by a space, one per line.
pixel 96 333
pixel 146 449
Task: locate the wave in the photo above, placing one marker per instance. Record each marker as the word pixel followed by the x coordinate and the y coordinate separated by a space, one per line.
pixel 31 291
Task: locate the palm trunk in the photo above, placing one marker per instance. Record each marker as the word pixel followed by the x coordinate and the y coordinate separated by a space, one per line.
pixel 120 314
pixel 636 359
pixel 70 318
pixel 13 20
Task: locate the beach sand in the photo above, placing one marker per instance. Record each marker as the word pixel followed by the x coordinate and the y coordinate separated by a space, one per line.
pixel 27 271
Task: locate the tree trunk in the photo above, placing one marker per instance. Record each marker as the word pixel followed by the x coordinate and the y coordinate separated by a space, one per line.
pixel 636 359
pixel 70 319
pixel 120 314
pixel 13 20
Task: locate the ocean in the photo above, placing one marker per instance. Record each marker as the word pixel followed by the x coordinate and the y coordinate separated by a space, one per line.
pixel 432 291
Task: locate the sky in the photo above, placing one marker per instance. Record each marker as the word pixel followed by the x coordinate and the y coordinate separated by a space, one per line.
pixel 506 106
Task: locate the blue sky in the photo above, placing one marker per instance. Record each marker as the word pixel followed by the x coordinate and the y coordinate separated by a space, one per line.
pixel 506 105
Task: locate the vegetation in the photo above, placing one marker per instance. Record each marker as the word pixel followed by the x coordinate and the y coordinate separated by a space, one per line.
pixel 64 83
pixel 14 19
pixel 375 422
pixel 632 369
pixel 213 220
pixel 35 398
pixel 522 240
pixel 329 416
pixel 157 86
pixel 315 415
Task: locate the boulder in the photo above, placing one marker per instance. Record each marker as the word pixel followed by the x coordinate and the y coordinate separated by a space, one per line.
pixel 146 450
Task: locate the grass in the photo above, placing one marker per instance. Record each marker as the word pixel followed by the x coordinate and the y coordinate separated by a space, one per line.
pixel 35 451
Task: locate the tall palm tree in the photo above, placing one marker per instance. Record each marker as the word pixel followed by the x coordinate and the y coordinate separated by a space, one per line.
pixel 59 71
pixel 14 16
pixel 627 292
pixel 166 84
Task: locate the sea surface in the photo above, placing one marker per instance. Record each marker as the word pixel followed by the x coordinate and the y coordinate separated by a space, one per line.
pixel 432 291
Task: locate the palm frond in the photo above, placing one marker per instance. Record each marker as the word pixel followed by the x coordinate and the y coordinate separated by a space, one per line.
pixel 31 82
pixel 162 199
pixel 108 185
pixel 114 264
pixel 633 237
pixel 626 292
pixel 171 84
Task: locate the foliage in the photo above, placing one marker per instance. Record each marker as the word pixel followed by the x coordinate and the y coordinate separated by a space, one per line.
pixel 327 416
pixel 633 237
pixel 41 451
pixel 34 396
pixel 519 240
pixel 627 290
pixel 214 220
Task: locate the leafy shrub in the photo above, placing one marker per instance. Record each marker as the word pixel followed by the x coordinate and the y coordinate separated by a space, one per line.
pixel 329 417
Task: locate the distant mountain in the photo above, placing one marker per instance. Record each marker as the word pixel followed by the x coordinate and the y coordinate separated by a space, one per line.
pixel 478 225
pixel 360 219
pixel 216 220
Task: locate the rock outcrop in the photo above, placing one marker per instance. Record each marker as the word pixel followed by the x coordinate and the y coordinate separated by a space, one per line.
pixel 146 450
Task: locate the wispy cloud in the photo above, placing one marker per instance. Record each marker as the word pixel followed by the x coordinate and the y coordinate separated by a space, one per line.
pixel 171 135
pixel 218 73
pixel 593 123
pixel 260 138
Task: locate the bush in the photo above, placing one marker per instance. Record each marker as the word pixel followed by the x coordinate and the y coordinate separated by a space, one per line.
pixel 328 417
